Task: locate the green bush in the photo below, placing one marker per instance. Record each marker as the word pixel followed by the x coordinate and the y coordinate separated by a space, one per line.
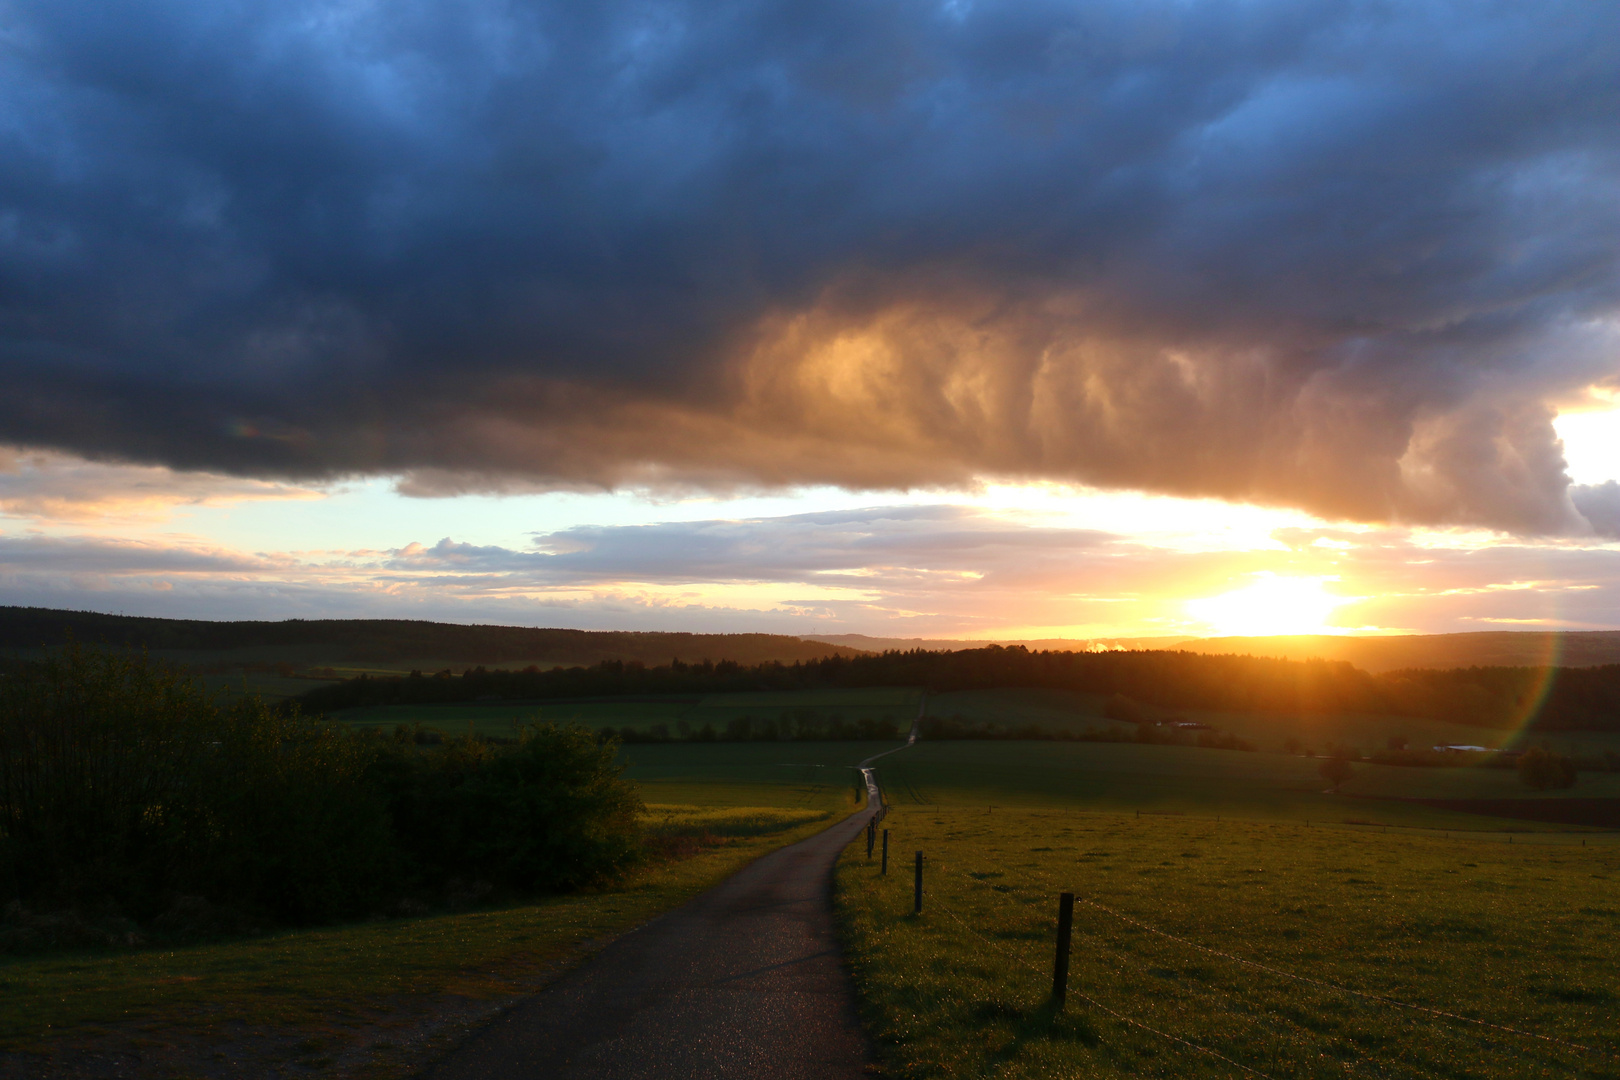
pixel 1542 769
pixel 550 812
pixel 125 790
pixel 1336 770
pixel 123 786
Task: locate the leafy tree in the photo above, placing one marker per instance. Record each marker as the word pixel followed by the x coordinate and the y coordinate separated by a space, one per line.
pixel 122 781
pixel 127 788
pixel 1336 770
pixel 1120 707
pixel 1541 769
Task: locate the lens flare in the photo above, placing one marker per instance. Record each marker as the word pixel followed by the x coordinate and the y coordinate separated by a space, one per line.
pixel 1535 689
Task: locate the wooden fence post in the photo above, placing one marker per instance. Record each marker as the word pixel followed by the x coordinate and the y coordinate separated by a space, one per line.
pixel 917 900
pixel 871 837
pixel 1060 968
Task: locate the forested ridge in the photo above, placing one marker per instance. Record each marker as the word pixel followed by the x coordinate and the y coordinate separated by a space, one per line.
pixel 381 640
pixel 1577 698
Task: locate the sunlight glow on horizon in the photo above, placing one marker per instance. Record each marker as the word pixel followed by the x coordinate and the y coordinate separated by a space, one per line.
pixel 1274 604
pixel 995 560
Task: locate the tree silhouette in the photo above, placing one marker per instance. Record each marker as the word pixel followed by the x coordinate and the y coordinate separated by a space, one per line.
pixel 1336 770
pixel 1542 769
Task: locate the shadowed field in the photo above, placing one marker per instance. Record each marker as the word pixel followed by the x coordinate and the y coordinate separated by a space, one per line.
pixel 1057 712
pixel 1191 780
pixel 677 717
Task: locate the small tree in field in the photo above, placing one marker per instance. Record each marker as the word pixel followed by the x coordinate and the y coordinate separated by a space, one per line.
pixel 1542 769
pixel 1336 770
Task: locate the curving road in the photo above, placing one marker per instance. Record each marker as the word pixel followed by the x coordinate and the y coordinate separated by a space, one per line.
pixel 744 981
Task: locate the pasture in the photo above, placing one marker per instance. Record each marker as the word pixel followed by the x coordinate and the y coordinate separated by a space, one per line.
pixel 1215 932
pixel 1190 780
pixel 677 717
pixel 1054 710
pixel 792 775
pixel 1067 710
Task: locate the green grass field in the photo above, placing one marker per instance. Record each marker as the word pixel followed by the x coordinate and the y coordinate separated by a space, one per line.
pixel 1277 931
pixel 1055 710
pixel 1189 780
pixel 502 719
pixel 1070 710
pixel 678 716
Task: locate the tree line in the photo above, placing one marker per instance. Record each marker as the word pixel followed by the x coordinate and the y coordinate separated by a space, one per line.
pixel 328 641
pixel 1559 698
pixel 130 796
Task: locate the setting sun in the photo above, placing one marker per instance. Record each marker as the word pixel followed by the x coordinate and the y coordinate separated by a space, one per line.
pixel 1272 605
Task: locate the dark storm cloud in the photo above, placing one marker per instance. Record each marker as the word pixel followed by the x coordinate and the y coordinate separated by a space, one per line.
pixel 1328 254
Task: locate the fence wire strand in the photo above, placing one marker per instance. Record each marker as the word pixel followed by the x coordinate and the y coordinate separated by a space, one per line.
pixel 1305 979
pixel 1258 1016
pixel 1094 1003
pixel 1348 1066
pixel 1341 989
pixel 1241 1006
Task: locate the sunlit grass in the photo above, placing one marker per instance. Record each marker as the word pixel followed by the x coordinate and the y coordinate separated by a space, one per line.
pixel 663 819
pixel 1518 936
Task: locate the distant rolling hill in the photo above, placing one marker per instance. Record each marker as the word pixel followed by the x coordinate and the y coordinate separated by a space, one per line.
pixel 885 644
pixel 401 644
pixel 1492 648
pixel 388 643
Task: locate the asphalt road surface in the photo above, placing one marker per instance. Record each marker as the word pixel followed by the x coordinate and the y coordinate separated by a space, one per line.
pixel 744 981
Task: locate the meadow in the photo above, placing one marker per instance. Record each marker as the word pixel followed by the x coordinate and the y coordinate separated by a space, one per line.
pixel 679 717
pixel 1057 711
pixel 1230 921
pixel 1191 780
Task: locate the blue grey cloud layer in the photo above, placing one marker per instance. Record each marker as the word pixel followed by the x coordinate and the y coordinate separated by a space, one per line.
pixel 1332 254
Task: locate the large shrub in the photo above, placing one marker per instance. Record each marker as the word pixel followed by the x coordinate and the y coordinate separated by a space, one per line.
pixel 551 812
pixel 124 787
pixel 124 784
pixel 1541 769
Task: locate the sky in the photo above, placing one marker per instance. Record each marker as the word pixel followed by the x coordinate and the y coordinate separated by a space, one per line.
pixel 957 319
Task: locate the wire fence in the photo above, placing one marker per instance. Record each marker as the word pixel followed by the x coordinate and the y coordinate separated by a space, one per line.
pixel 1271 1016
pixel 1380 998
pixel 1099 1006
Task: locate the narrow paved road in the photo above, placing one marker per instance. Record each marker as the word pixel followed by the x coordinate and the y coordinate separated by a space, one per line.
pixel 744 981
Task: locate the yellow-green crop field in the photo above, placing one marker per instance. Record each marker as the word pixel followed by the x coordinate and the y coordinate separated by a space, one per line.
pixel 1230 948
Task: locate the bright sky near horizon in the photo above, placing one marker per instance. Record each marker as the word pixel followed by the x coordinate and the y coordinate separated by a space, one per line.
pixel 899 317
pixel 1005 560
